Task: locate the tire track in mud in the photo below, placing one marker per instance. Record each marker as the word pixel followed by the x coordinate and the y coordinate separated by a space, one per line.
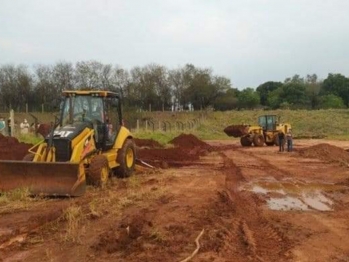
pixel 260 163
pixel 248 233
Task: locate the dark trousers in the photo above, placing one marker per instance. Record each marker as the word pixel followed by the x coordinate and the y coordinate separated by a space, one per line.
pixel 281 145
pixel 289 145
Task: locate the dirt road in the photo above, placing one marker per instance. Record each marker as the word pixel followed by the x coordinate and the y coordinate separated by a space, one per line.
pixel 254 204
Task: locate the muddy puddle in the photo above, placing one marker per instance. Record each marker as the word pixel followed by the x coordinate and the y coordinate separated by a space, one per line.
pixel 294 195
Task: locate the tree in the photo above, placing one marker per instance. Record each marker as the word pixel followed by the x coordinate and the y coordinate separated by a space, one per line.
pixel 16 85
pixel 93 75
pixel 248 98
pixel 204 88
pixel 264 90
pixel 63 77
pixel 162 85
pixel 180 80
pixel 337 84
pixel 331 101
pixel 294 93
pixel 296 79
pixel 274 98
pixel 313 89
pixel 228 100
pixel 45 88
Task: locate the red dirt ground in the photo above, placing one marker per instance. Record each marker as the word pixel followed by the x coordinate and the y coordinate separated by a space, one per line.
pixel 188 149
pixel 253 203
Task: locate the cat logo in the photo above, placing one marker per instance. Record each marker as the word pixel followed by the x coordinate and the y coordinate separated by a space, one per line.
pixel 62 133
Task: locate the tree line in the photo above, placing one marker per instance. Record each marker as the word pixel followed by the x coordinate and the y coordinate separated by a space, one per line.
pixel 155 87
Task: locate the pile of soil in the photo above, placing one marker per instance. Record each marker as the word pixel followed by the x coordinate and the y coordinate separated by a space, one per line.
pixel 164 158
pixel 188 149
pixel 150 143
pixel 44 129
pixel 189 141
pixel 236 130
pixel 11 149
pixel 326 152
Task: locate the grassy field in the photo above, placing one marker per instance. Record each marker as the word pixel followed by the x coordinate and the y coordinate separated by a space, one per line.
pixel 332 124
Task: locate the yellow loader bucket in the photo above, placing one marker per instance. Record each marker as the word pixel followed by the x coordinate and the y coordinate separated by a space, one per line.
pixel 51 179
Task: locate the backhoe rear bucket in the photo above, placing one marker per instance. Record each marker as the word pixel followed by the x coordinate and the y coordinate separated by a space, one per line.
pixel 42 178
pixel 236 130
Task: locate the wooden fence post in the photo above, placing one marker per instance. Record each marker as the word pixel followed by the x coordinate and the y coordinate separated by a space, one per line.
pixel 12 116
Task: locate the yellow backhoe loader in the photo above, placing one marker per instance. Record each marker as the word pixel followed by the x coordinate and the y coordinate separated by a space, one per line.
pixel 87 143
pixel 265 132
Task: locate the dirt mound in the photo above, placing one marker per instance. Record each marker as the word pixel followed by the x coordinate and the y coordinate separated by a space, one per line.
pixel 44 129
pixel 236 130
pixel 11 149
pixel 188 141
pixel 133 234
pixel 326 152
pixel 151 143
pixel 188 149
pixel 164 158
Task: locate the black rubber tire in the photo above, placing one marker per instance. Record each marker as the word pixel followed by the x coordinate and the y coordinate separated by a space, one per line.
pixel 98 171
pixel 28 157
pixel 126 169
pixel 244 141
pixel 269 143
pixel 258 140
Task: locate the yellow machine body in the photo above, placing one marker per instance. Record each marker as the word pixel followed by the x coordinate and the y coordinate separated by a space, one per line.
pixel 76 151
pixel 264 133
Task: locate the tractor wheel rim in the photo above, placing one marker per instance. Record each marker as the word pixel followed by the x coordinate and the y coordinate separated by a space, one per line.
pixel 129 157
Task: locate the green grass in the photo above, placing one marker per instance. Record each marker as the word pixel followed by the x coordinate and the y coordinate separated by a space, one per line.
pixel 331 123
pixel 162 137
pixel 19 194
pixel 29 138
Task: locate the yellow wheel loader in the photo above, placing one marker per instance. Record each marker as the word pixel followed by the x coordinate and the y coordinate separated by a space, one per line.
pixel 87 144
pixel 266 132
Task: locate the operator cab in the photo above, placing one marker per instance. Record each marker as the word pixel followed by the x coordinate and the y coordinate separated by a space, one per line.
pixel 99 110
pixel 268 122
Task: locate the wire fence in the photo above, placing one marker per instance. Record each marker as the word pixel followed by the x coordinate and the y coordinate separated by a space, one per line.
pixel 155 122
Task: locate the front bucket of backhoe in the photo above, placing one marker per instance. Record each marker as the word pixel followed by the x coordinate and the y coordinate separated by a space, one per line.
pixel 43 178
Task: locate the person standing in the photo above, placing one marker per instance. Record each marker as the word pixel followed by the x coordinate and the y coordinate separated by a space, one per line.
pixel 289 140
pixel 9 131
pixel 281 137
pixel 24 127
pixel 2 126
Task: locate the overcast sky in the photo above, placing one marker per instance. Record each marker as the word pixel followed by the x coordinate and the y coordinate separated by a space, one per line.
pixel 248 41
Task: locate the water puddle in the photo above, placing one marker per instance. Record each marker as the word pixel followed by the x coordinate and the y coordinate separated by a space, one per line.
pixel 286 203
pixel 262 190
pixel 294 195
pixel 317 201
